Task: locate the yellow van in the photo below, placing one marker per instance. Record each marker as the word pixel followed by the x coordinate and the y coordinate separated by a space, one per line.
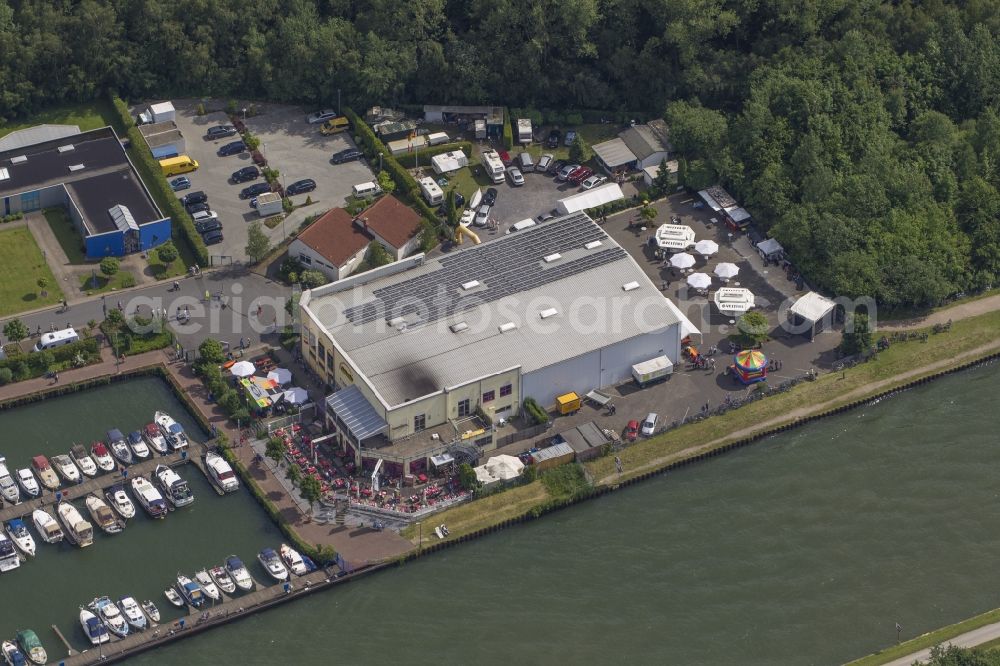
pixel 334 125
pixel 180 164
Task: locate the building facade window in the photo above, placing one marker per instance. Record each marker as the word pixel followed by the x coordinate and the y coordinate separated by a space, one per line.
pixel 506 390
pixel 489 396
pixel 463 408
pixel 30 201
pixel 305 258
pixel 419 422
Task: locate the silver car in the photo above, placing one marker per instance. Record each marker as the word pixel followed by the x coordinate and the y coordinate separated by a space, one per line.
pixel 516 178
pixel 483 216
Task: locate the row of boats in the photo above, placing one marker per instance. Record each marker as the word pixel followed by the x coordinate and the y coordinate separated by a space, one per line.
pixel 161 436
pixel 110 513
pixel 23 648
pixel 102 617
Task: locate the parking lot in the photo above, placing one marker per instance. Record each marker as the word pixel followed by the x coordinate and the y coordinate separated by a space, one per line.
pixel 290 145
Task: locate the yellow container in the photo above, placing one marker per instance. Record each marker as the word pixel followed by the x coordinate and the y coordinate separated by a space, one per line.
pixel 568 403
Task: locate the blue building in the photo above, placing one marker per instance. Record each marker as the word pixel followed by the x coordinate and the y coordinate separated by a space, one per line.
pixel 90 175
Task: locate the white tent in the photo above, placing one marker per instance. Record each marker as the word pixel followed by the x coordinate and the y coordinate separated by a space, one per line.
pixel 682 260
pixel 505 467
pixel 296 395
pixel 706 247
pixel 814 310
pixel 590 199
pixel 280 376
pixel 674 237
pixel 726 270
pixel 699 280
pixel 243 369
pixel 450 161
pixel 733 300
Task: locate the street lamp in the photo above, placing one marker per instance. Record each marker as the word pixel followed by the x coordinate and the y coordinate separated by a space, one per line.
pixel 380 162
pixel 244 114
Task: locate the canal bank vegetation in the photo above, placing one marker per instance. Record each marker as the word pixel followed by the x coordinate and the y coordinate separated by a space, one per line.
pixel 937 637
pixel 122 333
pixel 20 365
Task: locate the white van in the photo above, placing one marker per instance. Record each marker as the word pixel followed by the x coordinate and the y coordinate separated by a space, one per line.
pixel 369 189
pixel 521 226
pixel 57 339
pixel 527 164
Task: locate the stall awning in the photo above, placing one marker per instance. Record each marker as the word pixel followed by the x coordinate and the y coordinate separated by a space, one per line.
pixel 356 412
pixel 812 307
pixel 442 460
pixel 257 393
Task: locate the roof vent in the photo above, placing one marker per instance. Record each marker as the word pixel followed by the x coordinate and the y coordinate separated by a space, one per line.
pixel 548 312
pixel 459 327
pixel 592 244
pixel 555 256
pixel 509 326
pixel 76 167
pixel 4 174
pixel 471 284
pixel 396 321
pixel 19 159
pixel 629 286
pixel 65 149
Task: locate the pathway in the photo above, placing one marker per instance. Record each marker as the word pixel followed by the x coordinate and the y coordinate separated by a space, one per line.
pixel 967 640
pixel 955 312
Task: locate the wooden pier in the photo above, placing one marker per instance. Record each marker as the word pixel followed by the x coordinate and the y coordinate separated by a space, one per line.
pixel 100 483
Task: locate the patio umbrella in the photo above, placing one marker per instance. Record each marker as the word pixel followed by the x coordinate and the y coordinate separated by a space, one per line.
pixel 706 247
pixel 699 280
pixel 281 376
pixel 682 260
pixel 296 395
pixel 243 369
pixel 727 270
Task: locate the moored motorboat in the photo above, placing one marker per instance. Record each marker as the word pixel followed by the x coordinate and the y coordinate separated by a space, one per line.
pixel 118 446
pixel 173 486
pixel 239 572
pixel 63 464
pixel 174 598
pixel 82 460
pixel 47 526
pixel 12 654
pixel 28 641
pixel 119 501
pixel 138 445
pixel 133 614
pixel 151 611
pixel 92 626
pixel 28 482
pixel 43 470
pixel 9 559
pixel 8 487
pixel 102 514
pixel 155 439
pixel 149 497
pixel 79 531
pixel 292 559
pixel 110 615
pixel 191 591
pixel 272 563
pixel 21 537
pixel 102 457
pixel 221 472
pixel 207 585
pixel 172 430
pixel 222 579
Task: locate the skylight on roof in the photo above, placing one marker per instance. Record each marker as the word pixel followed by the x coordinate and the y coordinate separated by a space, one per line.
pixel 65 149
pixel 459 327
pixel 471 284
pixel 76 167
pixel 548 312
pixel 592 244
pixel 555 256
pixel 629 286
pixel 19 159
pixel 509 326
pixel 4 174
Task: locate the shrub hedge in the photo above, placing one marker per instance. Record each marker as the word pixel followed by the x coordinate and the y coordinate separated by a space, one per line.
pixel 534 410
pixel 29 366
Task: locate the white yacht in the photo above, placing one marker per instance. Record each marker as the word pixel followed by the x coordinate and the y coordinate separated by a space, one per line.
pixel 149 497
pixel 95 630
pixel 28 482
pixel 207 585
pixel 270 561
pixel 138 445
pixel 120 450
pixel 47 526
pixel 239 572
pixel 293 560
pixel 150 609
pixel 119 501
pixel 221 472
pixel 105 462
pixel 82 460
pixel 154 437
pixel 173 486
pixel 172 430
pixel 8 487
pixel 78 530
pixel 65 468
pixel 110 615
pixel 21 537
pixel 191 591
pixel 9 559
pixel 133 614
pixel 43 470
pixel 222 579
pixel 102 514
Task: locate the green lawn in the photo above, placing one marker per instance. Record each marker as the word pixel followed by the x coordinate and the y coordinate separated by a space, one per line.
pixel 176 268
pixel 87 115
pixel 465 182
pixel 21 264
pixel 69 238
pixel 120 280
pixel 930 639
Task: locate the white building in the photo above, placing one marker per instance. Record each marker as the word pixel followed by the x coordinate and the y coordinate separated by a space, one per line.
pixel 590 198
pixel 649 143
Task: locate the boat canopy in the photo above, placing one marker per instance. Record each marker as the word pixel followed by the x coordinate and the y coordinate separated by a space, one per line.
pixel 40 462
pixel 268 553
pixel 135 436
pixel 28 639
pixel 234 563
pixel 115 435
pixel 15 524
pixel 100 449
pixel 152 429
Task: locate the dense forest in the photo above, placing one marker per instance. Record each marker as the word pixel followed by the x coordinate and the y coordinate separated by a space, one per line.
pixel 864 135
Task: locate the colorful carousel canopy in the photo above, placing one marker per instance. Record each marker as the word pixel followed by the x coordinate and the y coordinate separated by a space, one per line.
pixel 751 360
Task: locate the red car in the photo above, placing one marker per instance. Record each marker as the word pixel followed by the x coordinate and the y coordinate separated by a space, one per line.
pixel 580 175
pixel 632 430
pixel 504 157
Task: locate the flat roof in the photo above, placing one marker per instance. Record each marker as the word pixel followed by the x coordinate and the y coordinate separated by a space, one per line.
pixel 97 195
pixel 38 134
pixel 164 138
pixel 614 152
pixel 489 308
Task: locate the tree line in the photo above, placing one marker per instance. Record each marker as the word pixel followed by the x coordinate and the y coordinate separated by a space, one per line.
pixel 865 136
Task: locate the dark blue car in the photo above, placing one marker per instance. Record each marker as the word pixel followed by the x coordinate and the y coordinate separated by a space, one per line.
pixel 251 191
pixel 234 148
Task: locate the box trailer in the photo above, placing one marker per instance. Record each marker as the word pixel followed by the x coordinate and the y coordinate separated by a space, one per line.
pixel 432 192
pixel 524 130
pixel 157 113
pixel 652 371
pixel 569 403
pixel 437 138
pixel 269 204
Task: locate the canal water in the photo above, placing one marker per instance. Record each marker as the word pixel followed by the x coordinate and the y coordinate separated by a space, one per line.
pixel 144 559
pixel 804 549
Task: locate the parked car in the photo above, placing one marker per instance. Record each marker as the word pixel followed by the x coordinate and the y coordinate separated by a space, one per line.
pixel 543 163
pixel 459 202
pixel 482 216
pixel 321 116
pixel 194 197
pixel 254 190
pixel 234 148
pixel 580 175
pixel 557 166
pixel 490 198
pixel 182 183
pixel 545 217
pixel 204 216
pixel 504 157
pixel 301 187
pixel 565 172
pixel 205 226
pixel 348 155
pixel 516 178
pixel 245 174
pixel 212 237
pixel 649 424
pixel 553 140
pixel 196 208
pixel 570 137
pixel 220 132
pixel 632 430
pixel 593 182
